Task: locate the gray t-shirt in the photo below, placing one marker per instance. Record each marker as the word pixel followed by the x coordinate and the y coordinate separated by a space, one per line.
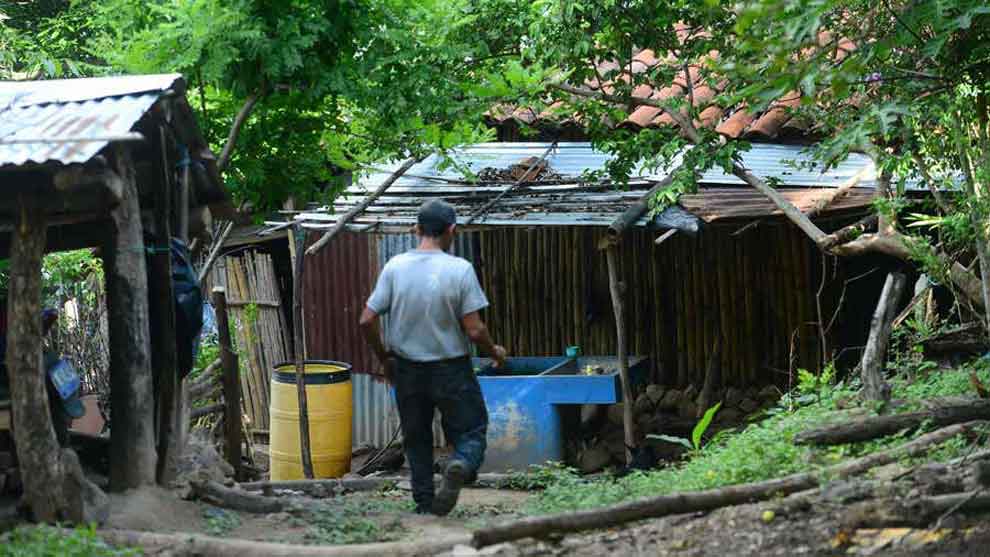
pixel 425 294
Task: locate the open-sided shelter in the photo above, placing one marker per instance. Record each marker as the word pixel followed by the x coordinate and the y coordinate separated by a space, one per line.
pixel 118 164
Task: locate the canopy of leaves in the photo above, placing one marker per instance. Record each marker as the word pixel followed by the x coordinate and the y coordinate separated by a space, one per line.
pixel 340 83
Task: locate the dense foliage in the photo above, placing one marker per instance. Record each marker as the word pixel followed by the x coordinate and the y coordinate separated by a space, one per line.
pixel 326 87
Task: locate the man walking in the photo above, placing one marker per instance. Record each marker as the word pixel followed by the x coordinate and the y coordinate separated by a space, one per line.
pixel 432 300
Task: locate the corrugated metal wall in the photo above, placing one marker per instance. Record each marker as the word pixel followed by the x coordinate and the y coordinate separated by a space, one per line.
pixel 337 282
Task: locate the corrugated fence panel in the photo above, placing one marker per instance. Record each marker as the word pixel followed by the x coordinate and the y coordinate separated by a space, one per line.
pixel 375 417
pixel 337 282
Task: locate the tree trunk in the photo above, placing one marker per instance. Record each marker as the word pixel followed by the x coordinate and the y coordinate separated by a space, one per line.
pixel 132 441
pixel 235 499
pixel 681 503
pixel 207 546
pixel 360 207
pixel 299 340
pixel 162 311
pixel 875 387
pixel 618 305
pixel 54 485
pixel 231 384
pixel 872 427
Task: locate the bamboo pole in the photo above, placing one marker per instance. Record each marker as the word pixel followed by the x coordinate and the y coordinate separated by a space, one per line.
pixel 749 283
pixel 575 275
pixel 679 287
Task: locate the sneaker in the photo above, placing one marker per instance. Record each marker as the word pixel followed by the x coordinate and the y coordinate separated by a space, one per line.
pixel 453 481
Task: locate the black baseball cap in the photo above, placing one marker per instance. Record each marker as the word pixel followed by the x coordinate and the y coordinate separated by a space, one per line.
pixel 436 216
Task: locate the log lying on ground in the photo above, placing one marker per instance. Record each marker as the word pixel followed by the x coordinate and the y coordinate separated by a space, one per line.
pixel 207 546
pixel 493 481
pixel 332 485
pixel 235 499
pixel 917 512
pixel 872 427
pixel 679 503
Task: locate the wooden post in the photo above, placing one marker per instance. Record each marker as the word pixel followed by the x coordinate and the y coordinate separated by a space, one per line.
pixel 132 442
pixel 231 384
pixel 37 447
pixel 875 354
pixel 617 288
pixel 299 237
pixel 162 310
pixel 183 208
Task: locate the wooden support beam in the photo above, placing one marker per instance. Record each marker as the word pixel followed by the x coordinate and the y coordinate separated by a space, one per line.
pixel 54 485
pixel 37 446
pixel 162 310
pixel 183 208
pixel 618 306
pixel 132 443
pixel 299 268
pixel 231 384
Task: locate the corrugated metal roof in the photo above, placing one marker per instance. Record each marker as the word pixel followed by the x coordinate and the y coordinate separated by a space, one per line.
pixel 70 120
pixel 568 202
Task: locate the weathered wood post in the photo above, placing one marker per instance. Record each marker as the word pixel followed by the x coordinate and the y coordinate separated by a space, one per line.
pixel 617 290
pixel 54 485
pixel 299 267
pixel 132 442
pixel 875 354
pixel 162 309
pixel 231 384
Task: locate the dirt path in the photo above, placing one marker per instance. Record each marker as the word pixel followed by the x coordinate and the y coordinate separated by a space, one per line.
pixel 744 531
pixel 356 518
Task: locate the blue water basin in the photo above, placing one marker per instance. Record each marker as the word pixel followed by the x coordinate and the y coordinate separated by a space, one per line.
pixel 524 400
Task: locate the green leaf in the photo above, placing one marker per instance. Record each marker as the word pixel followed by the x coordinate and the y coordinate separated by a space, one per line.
pixel 671 439
pixel 702 425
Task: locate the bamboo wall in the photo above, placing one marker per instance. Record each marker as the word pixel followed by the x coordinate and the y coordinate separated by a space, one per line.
pixel 258 326
pixel 548 289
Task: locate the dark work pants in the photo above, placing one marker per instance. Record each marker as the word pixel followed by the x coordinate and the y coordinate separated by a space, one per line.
pixel 451 386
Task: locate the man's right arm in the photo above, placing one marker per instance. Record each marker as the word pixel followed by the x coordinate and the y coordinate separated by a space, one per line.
pixel 476 330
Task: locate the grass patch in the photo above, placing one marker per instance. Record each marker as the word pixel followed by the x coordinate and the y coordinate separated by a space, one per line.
pixel 220 522
pixel 356 519
pixel 763 450
pixel 47 541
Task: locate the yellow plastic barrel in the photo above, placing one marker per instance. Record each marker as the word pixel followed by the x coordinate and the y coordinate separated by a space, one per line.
pixel 328 399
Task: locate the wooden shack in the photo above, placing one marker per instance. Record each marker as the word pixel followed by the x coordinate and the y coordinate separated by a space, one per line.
pixel 117 164
pixel 734 271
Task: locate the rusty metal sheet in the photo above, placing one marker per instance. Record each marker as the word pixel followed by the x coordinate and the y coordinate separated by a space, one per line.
pixel 720 204
pixel 337 282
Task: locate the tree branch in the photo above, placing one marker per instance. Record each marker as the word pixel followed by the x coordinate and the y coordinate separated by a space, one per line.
pixel 360 207
pixel 932 187
pixel 691 132
pixel 235 130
